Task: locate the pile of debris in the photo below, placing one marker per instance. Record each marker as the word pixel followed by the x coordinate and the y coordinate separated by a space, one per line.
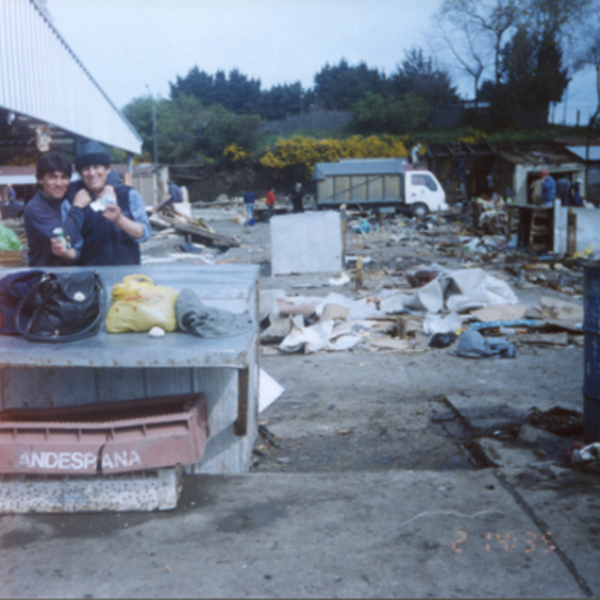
pixel 444 306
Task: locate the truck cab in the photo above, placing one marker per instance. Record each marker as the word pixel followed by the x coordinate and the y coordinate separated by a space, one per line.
pixel 423 192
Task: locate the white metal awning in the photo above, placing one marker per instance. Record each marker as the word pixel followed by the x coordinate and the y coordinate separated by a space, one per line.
pixel 44 83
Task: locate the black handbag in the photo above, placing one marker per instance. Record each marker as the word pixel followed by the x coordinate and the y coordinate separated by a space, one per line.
pixel 62 307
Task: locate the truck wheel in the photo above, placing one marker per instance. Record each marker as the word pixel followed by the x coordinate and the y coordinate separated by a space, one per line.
pixel 419 210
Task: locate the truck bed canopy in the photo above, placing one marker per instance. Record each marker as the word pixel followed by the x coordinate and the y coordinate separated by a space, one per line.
pixel 366 166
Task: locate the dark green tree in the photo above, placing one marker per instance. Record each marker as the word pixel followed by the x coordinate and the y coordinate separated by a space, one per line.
pixel 376 114
pixel 235 92
pixel 187 132
pixel 532 76
pixel 340 86
pixel 416 74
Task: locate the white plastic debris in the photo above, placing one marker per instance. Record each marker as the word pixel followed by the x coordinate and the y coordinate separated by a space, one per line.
pixel 436 324
pixel 589 453
pixel 343 279
pixel 156 332
pixel 308 339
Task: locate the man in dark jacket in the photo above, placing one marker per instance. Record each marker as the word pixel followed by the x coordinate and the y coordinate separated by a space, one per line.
pixel 296 197
pixel 249 200
pixel 114 218
pixel 563 185
pixel 44 213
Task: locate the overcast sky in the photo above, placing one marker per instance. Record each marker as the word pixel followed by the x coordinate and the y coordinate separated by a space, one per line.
pixel 126 44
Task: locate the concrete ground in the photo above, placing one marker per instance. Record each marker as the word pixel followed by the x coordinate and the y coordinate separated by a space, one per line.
pixel 391 475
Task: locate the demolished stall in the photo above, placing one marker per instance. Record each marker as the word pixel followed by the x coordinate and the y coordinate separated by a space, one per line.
pixel 507 168
pixel 216 378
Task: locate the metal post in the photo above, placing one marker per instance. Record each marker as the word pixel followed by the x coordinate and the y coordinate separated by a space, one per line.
pixel 154 133
pixel 154 128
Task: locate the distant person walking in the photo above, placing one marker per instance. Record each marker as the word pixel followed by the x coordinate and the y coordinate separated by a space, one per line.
pixel 270 203
pixel 297 195
pixel 249 200
pixel 575 195
pixel 12 195
pixel 548 189
pixel 536 191
pixel 563 185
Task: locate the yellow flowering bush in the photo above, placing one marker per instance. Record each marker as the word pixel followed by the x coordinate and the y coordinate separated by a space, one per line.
pixel 235 152
pixel 473 136
pixel 308 151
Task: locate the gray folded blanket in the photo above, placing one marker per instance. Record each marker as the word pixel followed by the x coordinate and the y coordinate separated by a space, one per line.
pixel 472 344
pixel 195 317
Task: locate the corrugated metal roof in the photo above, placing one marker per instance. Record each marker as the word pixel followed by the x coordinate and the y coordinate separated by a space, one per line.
pixel 580 151
pixel 42 78
pixel 369 166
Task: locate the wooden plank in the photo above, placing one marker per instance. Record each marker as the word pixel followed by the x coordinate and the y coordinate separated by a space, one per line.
pixel 207 236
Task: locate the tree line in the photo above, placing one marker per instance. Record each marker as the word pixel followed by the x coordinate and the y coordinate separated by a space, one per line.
pixel 519 54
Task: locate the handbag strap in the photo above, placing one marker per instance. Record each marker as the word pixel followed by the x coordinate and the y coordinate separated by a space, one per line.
pixel 90 330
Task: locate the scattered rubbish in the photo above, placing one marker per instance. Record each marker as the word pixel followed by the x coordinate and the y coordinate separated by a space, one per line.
pixel 268 436
pixel 442 340
pixel 334 312
pixel 472 344
pixel 343 279
pixel 560 313
pixel 434 323
pixel 500 312
pixel 194 227
pixel 343 431
pixel 363 227
pixel 546 339
pixel 309 339
pixel 462 290
pixel 558 420
pixel 587 459
pixel 157 332
pixel 529 323
pixel 358 274
pixel 277 331
pixel 421 278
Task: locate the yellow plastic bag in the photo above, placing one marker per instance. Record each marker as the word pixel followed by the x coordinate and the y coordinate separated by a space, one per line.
pixel 138 305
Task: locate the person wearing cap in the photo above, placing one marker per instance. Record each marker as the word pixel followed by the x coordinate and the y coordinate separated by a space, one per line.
pixel 114 216
pixel 548 189
pixel 48 210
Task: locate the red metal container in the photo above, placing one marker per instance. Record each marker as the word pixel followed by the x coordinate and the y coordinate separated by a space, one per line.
pixel 107 438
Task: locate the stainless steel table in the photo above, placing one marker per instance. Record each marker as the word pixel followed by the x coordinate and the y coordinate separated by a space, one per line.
pixel 111 367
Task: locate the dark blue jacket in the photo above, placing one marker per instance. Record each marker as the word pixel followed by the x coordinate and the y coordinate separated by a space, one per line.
pixel 104 243
pixel 42 215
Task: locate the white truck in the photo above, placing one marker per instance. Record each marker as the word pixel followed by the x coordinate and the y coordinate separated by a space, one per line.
pixel 388 184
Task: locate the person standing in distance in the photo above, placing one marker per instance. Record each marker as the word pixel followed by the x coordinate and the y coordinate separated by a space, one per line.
pixel 270 200
pixel 297 195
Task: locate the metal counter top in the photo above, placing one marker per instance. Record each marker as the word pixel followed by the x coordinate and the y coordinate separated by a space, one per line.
pixel 222 286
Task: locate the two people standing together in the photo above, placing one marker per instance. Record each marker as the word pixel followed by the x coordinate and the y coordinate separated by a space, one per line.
pixel 103 221
pixel 296 196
